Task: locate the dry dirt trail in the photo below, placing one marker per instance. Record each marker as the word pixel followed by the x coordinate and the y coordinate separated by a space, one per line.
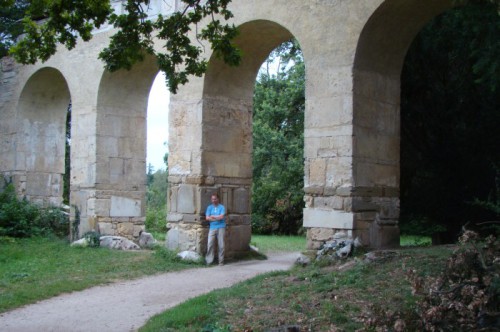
pixel 126 306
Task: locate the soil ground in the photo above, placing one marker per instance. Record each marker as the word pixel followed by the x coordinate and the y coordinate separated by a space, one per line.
pixel 126 306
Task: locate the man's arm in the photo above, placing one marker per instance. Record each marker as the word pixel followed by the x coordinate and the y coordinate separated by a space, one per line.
pixel 219 216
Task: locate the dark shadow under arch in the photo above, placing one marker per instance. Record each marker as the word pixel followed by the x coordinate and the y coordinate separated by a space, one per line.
pixel 378 62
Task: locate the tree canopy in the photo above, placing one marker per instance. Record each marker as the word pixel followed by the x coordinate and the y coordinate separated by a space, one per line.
pixel 11 14
pixel 47 23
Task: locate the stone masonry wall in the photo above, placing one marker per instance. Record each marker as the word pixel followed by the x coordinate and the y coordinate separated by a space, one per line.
pixel 353 52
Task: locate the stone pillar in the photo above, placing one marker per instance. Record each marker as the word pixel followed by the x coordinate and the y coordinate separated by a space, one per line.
pixel 8 82
pixel 375 199
pixel 109 153
pixel 328 155
pixel 352 159
pixel 222 165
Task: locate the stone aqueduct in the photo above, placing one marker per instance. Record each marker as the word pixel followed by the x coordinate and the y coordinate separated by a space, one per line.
pixel 353 50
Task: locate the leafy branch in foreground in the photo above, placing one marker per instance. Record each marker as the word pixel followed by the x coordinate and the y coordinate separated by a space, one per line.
pixel 48 23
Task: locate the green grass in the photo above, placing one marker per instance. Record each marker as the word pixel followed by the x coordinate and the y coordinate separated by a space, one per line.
pixel 278 243
pixel 415 240
pixel 36 269
pixel 316 298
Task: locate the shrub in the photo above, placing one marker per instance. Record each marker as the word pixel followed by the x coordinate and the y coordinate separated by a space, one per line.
pixel 93 239
pixel 20 218
pixel 465 297
pixel 156 220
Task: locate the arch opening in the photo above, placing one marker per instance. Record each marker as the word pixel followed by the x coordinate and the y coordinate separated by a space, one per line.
pixel 112 195
pixel 157 158
pixel 228 108
pixel 377 112
pixel 222 123
pixel 278 143
pixel 449 116
pixel 41 148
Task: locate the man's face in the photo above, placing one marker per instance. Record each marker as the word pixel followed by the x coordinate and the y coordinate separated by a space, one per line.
pixel 215 200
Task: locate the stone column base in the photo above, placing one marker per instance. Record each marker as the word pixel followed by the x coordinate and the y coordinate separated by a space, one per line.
pixel 193 236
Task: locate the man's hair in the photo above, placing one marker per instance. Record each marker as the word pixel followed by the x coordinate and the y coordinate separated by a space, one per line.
pixel 215 194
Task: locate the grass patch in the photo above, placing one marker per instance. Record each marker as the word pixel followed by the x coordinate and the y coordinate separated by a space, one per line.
pixel 39 268
pixel 314 298
pixel 414 241
pixel 278 243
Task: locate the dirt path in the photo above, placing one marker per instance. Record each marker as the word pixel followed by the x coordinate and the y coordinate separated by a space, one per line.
pixel 126 306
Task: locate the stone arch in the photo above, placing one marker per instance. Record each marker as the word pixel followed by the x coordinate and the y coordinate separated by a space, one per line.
pixel 378 62
pixel 116 203
pixel 41 139
pixel 222 122
pixel 228 107
pixel 228 101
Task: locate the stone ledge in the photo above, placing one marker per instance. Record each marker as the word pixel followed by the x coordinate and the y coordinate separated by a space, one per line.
pixel 328 219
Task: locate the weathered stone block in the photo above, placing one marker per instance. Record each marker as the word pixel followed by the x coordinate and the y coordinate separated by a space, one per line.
pixel 328 218
pixel 241 203
pixel 125 229
pixel 372 174
pixel 137 230
pixel 186 199
pixel 174 217
pixel 320 234
pixel 317 172
pixel 368 216
pixel 106 228
pixel 329 202
pixel 313 190
pixel 194 179
pixel 172 198
pixel 238 237
pixel 182 238
pixel 125 207
pixel 101 207
pixel 345 190
pixel 360 204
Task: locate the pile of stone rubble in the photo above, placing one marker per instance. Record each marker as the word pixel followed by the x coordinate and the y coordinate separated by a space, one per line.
pixel 145 241
pixel 340 247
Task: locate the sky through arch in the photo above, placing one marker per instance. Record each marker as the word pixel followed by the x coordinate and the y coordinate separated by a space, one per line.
pixel 157 123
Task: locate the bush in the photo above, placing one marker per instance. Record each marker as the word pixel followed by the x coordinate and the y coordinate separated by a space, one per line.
pixel 156 220
pixel 20 218
pixel 465 297
pixel 420 226
pixel 93 239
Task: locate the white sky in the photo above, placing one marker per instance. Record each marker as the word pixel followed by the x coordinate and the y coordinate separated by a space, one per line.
pixel 157 123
